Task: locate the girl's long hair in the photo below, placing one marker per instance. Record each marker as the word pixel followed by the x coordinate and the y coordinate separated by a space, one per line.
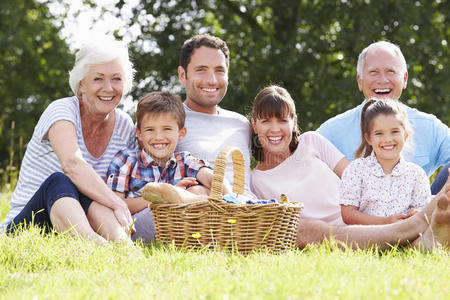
pixel 373 108
pixel 273 101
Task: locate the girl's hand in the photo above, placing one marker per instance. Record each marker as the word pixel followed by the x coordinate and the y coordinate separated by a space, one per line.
pixel 187 181
pixel 395 218
pixel 412 212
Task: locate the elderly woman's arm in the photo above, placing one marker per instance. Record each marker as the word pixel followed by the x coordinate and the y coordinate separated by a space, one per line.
pixel 62 136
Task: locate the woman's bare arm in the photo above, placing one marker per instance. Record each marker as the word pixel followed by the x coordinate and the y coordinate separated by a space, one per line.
pixel 340 166
pixel 62 137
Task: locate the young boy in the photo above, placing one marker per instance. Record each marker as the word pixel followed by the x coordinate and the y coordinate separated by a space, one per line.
pixel 160 125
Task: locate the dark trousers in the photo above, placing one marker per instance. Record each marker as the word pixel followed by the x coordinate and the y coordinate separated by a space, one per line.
pixel 37 210
pixel 440 179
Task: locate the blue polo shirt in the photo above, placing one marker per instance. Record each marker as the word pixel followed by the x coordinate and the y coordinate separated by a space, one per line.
pixel 431 138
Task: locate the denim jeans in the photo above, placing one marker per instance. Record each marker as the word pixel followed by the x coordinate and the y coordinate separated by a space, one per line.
pixel 37 210
pixel 440 179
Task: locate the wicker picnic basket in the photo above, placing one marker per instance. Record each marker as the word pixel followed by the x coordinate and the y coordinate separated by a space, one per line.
pixel 216 224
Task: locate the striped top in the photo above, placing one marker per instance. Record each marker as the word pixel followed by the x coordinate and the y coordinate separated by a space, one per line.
pixel 40 161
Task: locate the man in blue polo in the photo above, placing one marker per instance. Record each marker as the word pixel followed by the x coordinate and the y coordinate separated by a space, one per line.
pixel 382 73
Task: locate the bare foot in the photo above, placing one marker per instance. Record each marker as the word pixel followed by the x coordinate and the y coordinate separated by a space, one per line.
pixel 438 233
pixel 440 221
pixel 166 193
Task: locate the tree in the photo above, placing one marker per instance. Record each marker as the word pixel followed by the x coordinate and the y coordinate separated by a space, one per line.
pixel 34 62
pixel 309 47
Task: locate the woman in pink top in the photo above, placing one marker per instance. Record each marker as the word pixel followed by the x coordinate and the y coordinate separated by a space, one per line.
pixel 307 169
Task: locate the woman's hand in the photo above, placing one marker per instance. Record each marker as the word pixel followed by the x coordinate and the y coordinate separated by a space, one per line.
pixel 123 216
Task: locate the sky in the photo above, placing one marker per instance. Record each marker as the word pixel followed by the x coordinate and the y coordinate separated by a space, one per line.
pixel 99 20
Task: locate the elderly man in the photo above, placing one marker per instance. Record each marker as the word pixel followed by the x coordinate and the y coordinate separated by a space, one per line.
pixel 382 73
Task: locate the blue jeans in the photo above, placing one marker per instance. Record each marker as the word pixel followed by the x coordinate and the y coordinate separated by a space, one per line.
pixel 440 179
pixel 37 210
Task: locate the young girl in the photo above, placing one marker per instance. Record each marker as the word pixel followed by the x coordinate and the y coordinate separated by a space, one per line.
pixel 379 187
pixel 306 168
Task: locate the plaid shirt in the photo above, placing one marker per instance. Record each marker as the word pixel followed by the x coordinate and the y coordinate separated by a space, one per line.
pixel 130 170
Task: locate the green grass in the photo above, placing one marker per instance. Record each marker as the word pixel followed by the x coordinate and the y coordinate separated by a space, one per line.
pixel 40 266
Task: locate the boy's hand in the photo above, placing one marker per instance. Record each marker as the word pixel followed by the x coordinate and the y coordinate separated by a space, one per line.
pixel 186 182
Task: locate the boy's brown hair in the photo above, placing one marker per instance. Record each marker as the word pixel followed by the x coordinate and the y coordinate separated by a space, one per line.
pixel 155 103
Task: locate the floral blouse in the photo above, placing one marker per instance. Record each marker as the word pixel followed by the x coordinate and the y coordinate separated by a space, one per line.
pixel 365 185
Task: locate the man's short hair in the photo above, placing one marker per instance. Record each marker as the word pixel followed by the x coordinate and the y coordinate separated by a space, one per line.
pixel 198 41
pixel 383 44
pixel 156 103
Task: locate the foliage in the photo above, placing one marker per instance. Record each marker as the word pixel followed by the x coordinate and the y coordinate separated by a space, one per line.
pixel 310 47
pixel 34 62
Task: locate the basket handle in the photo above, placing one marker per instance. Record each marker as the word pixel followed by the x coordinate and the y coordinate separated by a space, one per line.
pixel 219 172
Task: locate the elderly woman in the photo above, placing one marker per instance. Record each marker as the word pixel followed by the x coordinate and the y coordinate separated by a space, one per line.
pixel 61 181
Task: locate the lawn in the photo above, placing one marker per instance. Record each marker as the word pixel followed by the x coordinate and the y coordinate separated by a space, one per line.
pixel 39 266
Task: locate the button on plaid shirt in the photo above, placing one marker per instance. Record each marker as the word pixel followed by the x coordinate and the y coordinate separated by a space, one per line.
pixel 130 170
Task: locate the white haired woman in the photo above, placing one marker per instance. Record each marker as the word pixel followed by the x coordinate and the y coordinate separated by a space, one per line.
pixel 61 182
